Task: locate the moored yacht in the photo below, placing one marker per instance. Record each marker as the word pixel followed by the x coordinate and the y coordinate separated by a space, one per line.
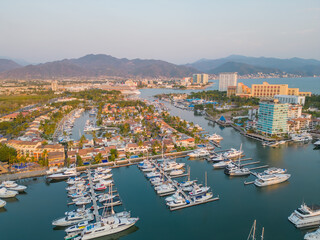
pixel 306 216
pixel 267 180
pixel 5 193
pixel 237 171
pixel 233 153
pixel 73 219
pixel 274 170
pixel 215 137
pixel 12 185
pixel 198 190
pixel 198 153
pixel 2 203
pixel 72 172
pixel 313 235
pixel 107 226
pixel 222 164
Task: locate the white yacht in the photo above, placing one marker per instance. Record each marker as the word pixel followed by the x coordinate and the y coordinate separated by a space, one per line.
pixel 306 216
pixel 72 219
pixel 107 226
pixel 72 172
pixel 198 190
pixel 12 185
pixel 313 235
pixel 215 137
pixel 106 197
pixel 187 183
pixel 222 164
pixel 55 169
pixel 153 174
pixel 216 158
pixel 198 153
pixel 2 203
pixel 77 228
pixel 99 177
pixel 103 185
pixel 274 170
pixel 173 166
pixel 317 143
pixel 102 170
pixel 232 153
pixel 165 188
pixel 203 198
pixel 176 172
pixel 5 193
pixel 177 202
pixel 237 171
pixel 267 180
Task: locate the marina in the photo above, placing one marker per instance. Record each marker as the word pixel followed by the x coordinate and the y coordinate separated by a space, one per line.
pixel 271 206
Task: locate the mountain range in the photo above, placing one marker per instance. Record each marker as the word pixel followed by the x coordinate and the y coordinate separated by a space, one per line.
pixel 98 65
pixel 249 65
pixel 95 65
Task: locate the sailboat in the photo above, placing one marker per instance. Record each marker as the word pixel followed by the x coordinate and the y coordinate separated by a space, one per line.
pixel 252 234
pixel 236 170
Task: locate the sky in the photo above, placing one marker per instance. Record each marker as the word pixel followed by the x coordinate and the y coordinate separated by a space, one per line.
pixel 178 31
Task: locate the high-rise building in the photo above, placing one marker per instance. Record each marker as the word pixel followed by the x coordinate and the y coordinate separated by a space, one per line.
pixel 200 79
pixel 54 85
pixel 272 117
pixel 196 78
pixel 226 80
pixel 204 79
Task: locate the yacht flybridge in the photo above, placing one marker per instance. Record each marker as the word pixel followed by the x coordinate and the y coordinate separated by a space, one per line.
pixel 306 216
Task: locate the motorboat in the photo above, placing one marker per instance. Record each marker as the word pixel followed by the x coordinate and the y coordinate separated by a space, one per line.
pixel 106 197
pixel 317 143
pixel 177 202
pixel 215 137
pixel 173 166
pixel 153 174
pixel 173 197
pixel 157 181
pixel 107 226
pixel 150 169
pixel 274 170
pixel 313 235
pixel 187 183
pixel 82 200
pixel 232 153
pixel 78 210
pixel 102 170
pixel 237 171
pixel 2 203
pixel 65 175
pixel 78 194
pixel 77 228
pixel 267 180
pixel 72 219
pixel 199 153
pixel 306 216
pixel 5 193
pixel 165 188
pixel 197 190
pixel 103 185
pixel 222 164
pixel 12 185
pixel 72 181
pixel 176 172
pixel 99 177
pixel 202 198
pixel 216 158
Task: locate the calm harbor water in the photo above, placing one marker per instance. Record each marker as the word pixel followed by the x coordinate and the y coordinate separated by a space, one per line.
pixel 29 216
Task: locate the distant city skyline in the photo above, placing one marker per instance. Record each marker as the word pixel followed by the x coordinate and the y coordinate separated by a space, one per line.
pixel 175 31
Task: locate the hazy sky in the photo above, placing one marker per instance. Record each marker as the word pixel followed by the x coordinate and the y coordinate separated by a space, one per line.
pixel 177 31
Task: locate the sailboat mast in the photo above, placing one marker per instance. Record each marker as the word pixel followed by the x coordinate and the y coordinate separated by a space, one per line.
pixel 254 230
pixel 206 178
pixel 262 234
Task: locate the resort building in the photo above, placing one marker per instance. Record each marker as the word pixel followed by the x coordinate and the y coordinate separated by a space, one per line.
pixel 291 99
pixel 269 91
pixel 294 111
pixel 227 79
pixel 273 117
